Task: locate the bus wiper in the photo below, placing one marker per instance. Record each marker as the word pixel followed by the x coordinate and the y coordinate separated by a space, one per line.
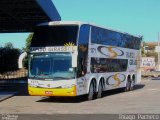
pixel 40 75
pixel 59 77
pixel 35 76
pixel 44 74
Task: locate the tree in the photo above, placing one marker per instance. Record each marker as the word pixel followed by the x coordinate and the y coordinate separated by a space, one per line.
pixel 28 43
pixel 26 49
pixel 9 58
pixel 9 45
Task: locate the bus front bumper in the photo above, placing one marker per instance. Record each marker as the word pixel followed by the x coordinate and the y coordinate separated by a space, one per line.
pixel 52 91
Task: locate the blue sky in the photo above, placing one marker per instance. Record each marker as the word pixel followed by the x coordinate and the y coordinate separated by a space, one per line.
pixel 138 17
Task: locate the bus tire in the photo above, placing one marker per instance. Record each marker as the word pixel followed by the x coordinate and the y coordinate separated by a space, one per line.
pixel 100 90
pixel 132 85
pixel 128 84
pixel 90 95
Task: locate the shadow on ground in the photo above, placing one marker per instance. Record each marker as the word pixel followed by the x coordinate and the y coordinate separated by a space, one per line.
pixel 155 78
pixel 20 86
pixel 84 98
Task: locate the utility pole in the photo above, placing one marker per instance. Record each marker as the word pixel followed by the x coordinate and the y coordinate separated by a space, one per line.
pixel 158 53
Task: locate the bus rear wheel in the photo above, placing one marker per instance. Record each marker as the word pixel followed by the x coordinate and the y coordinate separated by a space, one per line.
pixel 128 85
pixel 132 85
pixel 100 90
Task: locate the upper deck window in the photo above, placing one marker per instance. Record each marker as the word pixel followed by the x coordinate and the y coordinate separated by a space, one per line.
pixel 113 38
pixel 55 36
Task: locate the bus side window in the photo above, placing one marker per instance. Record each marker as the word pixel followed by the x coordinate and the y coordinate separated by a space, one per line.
pixel 82 61
pixel 83 49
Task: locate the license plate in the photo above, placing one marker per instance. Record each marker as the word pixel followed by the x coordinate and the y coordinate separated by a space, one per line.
pixel 48 92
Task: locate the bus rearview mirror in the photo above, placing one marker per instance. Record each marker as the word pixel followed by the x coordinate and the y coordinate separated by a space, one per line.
pixel 74 59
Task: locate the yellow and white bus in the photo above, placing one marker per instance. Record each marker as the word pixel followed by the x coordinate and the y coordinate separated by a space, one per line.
pixel 75 58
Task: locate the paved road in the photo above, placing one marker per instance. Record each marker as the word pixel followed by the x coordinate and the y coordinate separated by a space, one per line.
pixel 145 99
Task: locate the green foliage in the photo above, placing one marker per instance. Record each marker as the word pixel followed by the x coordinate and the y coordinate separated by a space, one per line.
pixel 9 58
pixel 26 49
pixel 9 45
pixel 28 43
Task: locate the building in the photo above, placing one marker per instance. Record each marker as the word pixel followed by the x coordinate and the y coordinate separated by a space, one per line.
pixel 149 60
pixel 149 46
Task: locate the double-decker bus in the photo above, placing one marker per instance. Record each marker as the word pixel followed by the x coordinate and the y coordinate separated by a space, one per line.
pixel 75 58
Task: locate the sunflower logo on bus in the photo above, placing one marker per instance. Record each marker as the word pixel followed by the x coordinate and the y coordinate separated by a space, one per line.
pixel 69 44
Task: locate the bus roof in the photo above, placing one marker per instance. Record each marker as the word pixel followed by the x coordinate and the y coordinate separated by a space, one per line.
pixel 81 23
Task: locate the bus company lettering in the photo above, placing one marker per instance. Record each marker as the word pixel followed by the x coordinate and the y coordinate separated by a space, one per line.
pixel 130 55
pixel 93 50
pixel 38 49
pixel 132 62
pixel 58 49
pixel 53 49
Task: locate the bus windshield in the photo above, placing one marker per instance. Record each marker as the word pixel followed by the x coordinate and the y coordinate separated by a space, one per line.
pixel 51 66
pixel 54 35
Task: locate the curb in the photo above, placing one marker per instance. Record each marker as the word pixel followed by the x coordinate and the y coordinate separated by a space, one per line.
pixel 6 95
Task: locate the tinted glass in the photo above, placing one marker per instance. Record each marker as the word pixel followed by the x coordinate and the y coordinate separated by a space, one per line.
pixel 112 38
pixel 51 65
pixel 54 36
pixel 83 49
pixel 101 65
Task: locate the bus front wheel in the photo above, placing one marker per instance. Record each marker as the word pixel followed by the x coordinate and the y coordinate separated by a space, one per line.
pixel 91 92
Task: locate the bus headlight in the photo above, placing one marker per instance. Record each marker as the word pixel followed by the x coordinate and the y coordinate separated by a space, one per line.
pixel 32 85
pixel 67 86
